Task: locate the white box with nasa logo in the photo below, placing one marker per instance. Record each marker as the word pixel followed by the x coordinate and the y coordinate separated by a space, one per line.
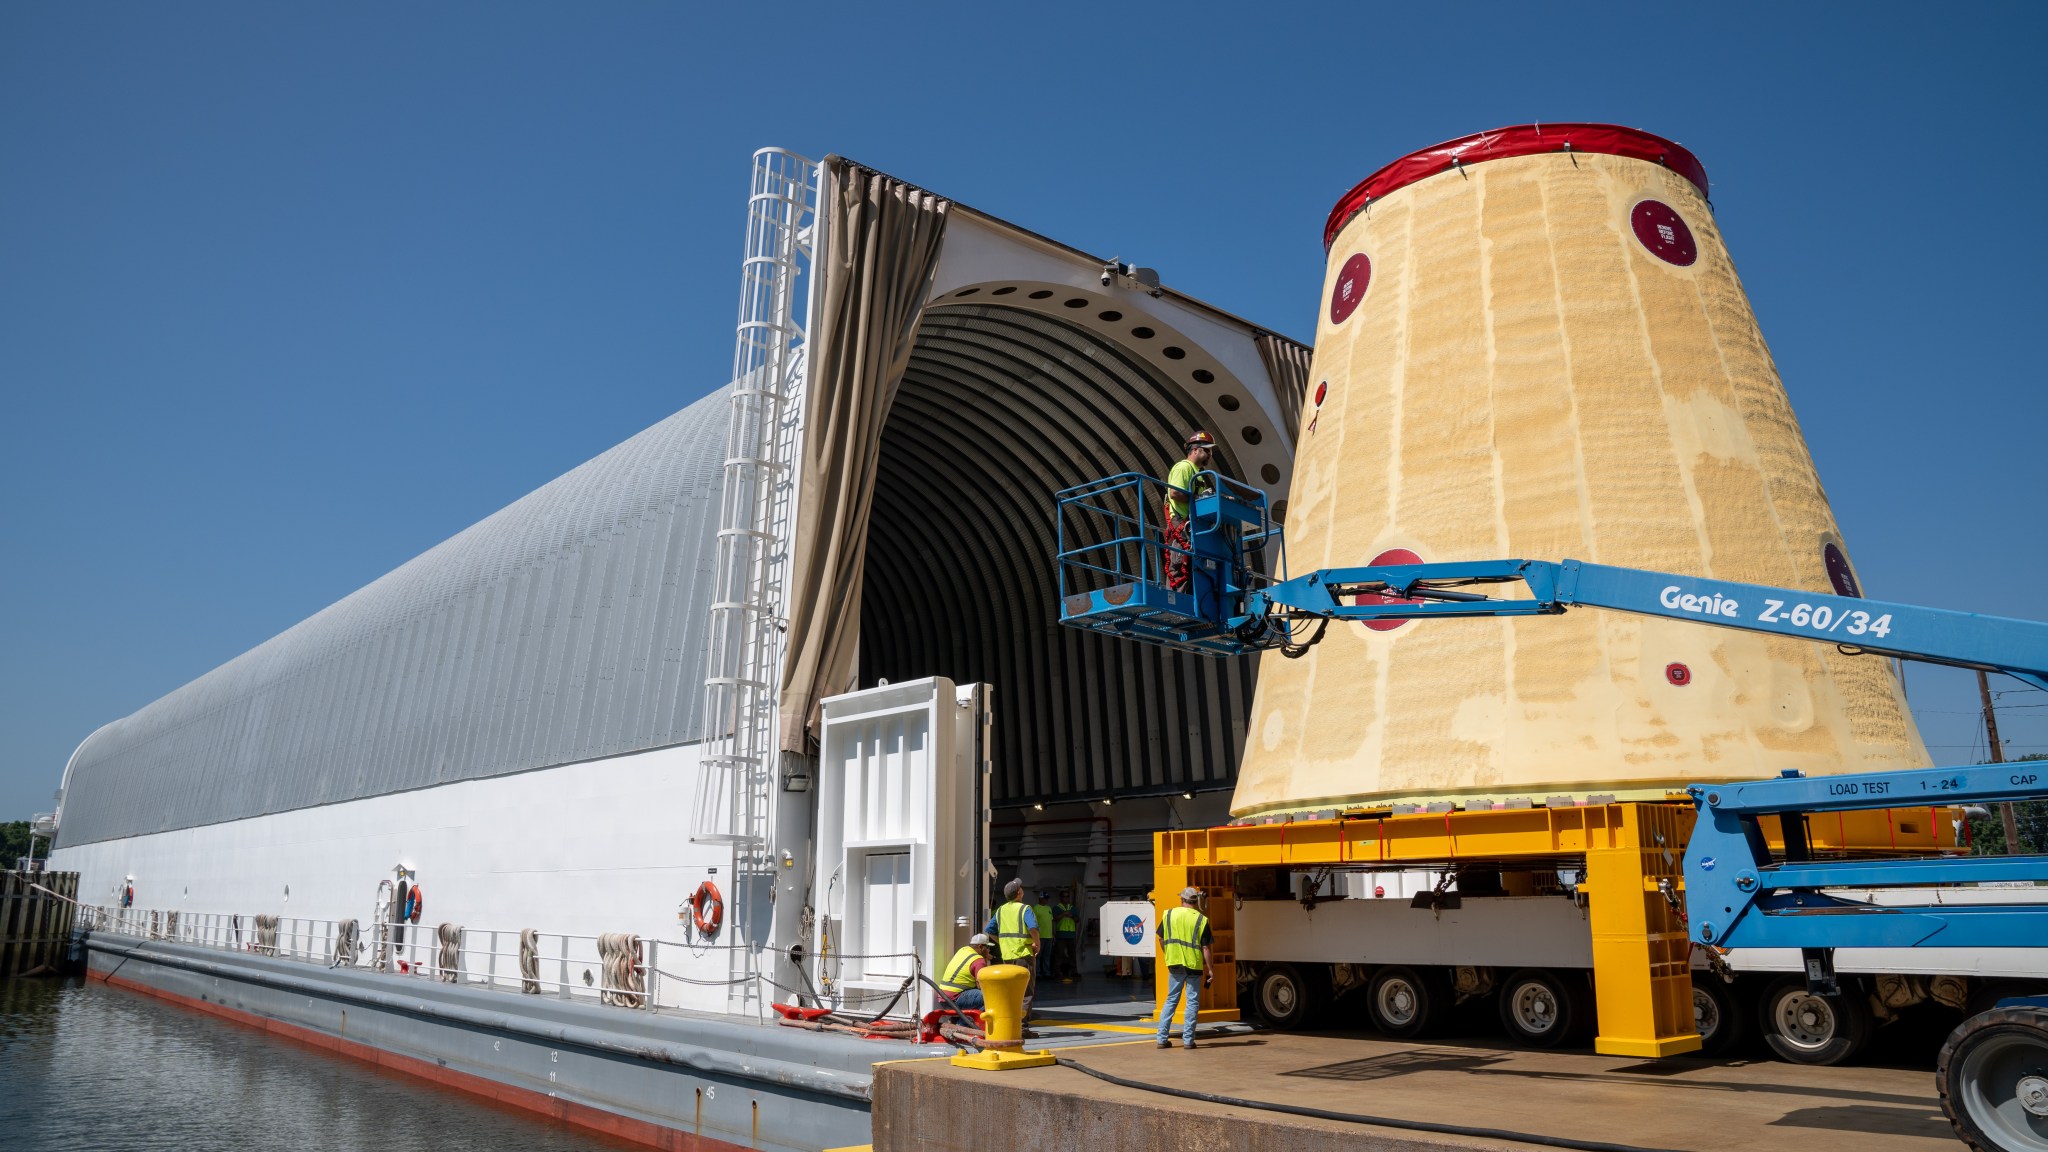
pixel 1127 928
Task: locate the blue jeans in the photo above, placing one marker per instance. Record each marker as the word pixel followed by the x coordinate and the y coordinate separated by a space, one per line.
pixel 968 999
pixel 1179 980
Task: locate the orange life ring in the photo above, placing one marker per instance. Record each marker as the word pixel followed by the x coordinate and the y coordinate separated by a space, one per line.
pixel 707 908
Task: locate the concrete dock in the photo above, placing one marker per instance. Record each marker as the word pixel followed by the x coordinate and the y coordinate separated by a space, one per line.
pixel 1683 1104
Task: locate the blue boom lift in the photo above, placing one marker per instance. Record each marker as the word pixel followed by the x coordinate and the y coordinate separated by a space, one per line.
pixel 1236 598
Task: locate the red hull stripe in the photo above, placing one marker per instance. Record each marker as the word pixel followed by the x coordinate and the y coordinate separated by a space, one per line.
pixel 524 1099
pixel 1501 143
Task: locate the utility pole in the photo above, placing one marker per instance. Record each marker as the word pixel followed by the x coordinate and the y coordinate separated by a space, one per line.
pixel 2006 814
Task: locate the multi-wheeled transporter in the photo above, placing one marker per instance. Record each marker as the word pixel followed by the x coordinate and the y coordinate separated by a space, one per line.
pixel 1564 915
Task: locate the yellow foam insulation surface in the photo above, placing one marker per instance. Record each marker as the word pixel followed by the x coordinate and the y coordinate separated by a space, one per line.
pixel 1522 376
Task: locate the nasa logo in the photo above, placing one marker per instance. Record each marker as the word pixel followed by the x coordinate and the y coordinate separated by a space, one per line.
pixel 1664 232
pixel 1352 281
pixel 1134 929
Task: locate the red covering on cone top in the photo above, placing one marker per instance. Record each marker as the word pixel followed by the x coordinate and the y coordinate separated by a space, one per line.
pixel 1502 143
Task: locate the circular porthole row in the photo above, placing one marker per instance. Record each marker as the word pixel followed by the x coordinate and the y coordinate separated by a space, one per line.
pixel 1208 379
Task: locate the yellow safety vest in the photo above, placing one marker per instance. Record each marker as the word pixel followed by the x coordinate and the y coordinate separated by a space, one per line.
pixel 1180 931
pixel 1011 934
pixel 1044 914
pixel 959 975
pixel 1063 915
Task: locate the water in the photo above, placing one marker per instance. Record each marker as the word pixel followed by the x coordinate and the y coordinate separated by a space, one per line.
pixel 88 1067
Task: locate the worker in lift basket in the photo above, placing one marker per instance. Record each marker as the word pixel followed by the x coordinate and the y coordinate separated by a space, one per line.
pixel 961 977
pixel 1184 481
pixel 1184 940
pixel 1015 929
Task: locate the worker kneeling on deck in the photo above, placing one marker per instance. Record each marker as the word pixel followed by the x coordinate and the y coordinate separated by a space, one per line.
pixel 1015 928
pixel 1184 939
pixel 961 978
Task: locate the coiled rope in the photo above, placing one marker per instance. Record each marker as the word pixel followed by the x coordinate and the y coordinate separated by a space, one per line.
pixel 529 961
pixel 620 953
pixel 345 936
pixel 449 965
pixel 266 935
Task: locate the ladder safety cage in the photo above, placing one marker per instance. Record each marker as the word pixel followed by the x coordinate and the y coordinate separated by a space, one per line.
pixel 1117 564
pixel 744 643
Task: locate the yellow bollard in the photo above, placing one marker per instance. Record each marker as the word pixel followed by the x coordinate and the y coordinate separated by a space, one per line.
pixel 1002 1018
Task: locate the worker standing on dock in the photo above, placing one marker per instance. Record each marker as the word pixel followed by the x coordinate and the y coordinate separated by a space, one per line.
pixel 1048 957
pixel 961 976
pixel 1185 938
pixel 1015 928
pixel 1184 481
pixel 1066 938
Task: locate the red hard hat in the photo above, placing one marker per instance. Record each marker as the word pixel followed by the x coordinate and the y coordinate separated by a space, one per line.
pixel 1200 439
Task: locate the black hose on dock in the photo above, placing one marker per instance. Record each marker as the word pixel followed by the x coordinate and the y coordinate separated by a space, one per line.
pixel 1360 1118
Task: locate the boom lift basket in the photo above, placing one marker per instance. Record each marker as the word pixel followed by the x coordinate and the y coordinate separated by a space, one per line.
pixel 1115 559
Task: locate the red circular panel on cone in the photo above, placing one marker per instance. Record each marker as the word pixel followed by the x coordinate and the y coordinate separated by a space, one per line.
pixel 1678 674
pixel 1664 232
pixel 1352 281
pixel 1322 390
pixel 1390 556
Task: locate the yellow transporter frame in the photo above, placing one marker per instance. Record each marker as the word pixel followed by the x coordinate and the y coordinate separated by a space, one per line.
pixel 1633 854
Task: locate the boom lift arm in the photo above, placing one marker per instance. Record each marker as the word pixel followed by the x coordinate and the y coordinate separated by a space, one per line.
pixel 1738 895
pixel 2018 648
pixel 1993 1071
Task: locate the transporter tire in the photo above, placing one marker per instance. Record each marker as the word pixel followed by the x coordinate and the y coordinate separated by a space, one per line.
pixel 1292 997
pixel 1806 1029
pixel 1718 1013
pixel 1992 1076
pixel 1540 1008
pixel 1407 1002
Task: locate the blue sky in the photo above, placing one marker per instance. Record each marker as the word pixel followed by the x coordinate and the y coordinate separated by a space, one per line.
pixel 290 293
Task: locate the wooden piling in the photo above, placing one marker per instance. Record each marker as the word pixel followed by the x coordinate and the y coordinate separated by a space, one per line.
pixel 36 915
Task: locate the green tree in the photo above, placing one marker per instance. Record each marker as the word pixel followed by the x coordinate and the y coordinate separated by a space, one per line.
pixel 1987 833
pixel 14 843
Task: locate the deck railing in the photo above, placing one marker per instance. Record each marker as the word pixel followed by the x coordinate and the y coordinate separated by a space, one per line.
pixel 565 965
